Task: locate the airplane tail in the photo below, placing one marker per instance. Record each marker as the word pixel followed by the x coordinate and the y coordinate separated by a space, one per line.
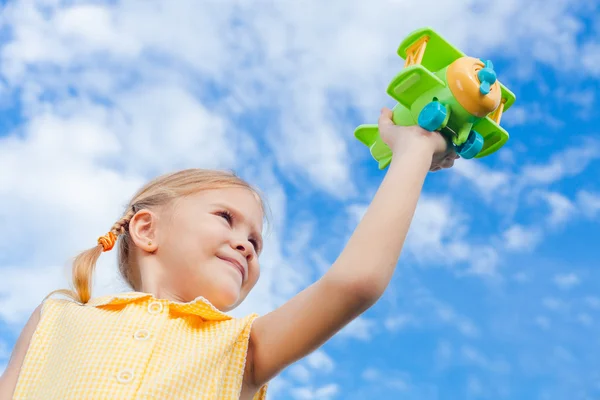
pixel 368 134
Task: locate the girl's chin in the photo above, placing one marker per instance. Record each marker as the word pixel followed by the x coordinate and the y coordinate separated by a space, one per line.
pixel 226 296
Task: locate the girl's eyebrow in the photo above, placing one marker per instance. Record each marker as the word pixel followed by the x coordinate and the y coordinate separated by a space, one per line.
pixel 239 216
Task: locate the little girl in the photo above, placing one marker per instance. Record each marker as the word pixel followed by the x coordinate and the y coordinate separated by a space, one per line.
pixel 189 248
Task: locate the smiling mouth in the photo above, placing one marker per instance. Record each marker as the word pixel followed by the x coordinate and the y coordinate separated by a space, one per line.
pixel 235 265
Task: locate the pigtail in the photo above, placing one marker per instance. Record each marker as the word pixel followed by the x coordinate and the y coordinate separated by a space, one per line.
pixel 85 263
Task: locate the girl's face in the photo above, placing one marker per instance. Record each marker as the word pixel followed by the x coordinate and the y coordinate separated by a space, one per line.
pixel 206 245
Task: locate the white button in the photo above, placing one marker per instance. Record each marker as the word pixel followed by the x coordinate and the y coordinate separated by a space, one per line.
pixel 125 376
pixel 155 307
pixel 141 334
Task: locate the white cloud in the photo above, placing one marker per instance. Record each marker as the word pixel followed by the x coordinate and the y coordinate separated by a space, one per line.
pixel 324 392
pixel 567 163
pixel 299 372
pixel 521 238
pixel 583 98
pixel 566 281
pixel 316 364
pixel 561 208
pixel 490 183
pixel 589 203
pixel 395 380
pixel 439 236
pixel 542 322
pixel 23 288
pixel 554 304
pixel 521 277
pixel 443 354
pixel 398 322
pixel 503 190
pixel 585 319
pixel 474 386
pixel 283 55
pixel 590 59
pixel 563 355
pixel 434 224
pixel 161 106
pixel 592 302
pixel 531 113
pixel 360 328
pixel 473 356
pixel 320 361
pixel 448 315
pixel 433 312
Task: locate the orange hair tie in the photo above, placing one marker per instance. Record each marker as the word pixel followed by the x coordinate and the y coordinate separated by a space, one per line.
pixel 107 241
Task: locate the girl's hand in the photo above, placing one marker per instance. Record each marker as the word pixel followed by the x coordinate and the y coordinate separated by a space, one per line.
pixel 413 138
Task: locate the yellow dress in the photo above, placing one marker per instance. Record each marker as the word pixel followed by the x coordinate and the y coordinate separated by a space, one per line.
pixel 134 346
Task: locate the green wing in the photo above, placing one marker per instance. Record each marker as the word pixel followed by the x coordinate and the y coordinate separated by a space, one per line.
pixel 508 96
pixel 494 136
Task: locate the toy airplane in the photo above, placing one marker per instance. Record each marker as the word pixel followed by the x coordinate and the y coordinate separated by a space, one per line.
pixel 441 89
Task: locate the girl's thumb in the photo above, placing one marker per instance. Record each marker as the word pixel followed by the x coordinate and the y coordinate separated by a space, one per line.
pixel 385 118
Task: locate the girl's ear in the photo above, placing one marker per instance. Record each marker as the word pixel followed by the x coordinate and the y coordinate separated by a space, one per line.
pixel 142 230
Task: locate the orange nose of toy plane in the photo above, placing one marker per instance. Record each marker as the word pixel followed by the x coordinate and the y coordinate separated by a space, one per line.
pixel 474 85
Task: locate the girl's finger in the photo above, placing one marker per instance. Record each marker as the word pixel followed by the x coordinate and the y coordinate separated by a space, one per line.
pixel 385 118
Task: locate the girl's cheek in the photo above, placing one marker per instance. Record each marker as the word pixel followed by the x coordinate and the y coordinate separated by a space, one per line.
pixel 255 271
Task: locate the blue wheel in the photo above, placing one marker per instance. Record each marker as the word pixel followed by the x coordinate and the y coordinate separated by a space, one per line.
pixel 471 147
pixel 432 116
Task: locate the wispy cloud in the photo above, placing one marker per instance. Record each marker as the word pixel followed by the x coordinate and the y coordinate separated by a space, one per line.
pixel 473 356
pixel 325 392
pixel 396 322
pixel 320 362
pixel 361 328
pixel 567 163
pixel 519 238
pixel 533 113
pixel 395 380
pixel 566 281
pixel 439 235
pixel 589 203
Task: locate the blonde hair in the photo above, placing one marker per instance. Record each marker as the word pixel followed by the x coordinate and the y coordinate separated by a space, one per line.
pixel 158 192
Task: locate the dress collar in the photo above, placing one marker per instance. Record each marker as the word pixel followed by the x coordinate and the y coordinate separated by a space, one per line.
pixel 199 306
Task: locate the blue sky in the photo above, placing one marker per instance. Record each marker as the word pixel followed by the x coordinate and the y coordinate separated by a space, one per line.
pixel 496 295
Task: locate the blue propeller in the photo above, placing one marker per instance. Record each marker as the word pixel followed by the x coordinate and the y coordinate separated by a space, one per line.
pixel 487 77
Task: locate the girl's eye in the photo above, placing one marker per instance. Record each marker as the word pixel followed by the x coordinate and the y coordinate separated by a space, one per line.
pixel 226 215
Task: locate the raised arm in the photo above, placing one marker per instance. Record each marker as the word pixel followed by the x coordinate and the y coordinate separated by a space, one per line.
pixel 360 275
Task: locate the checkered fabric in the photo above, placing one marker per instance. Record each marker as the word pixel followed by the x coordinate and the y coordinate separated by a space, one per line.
pixel 134 346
